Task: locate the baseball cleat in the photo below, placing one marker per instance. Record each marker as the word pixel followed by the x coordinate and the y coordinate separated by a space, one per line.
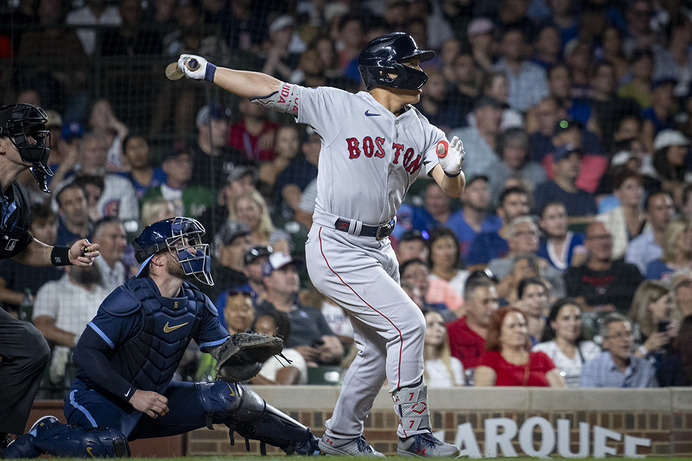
pixel 426 446
pixel 23 447
pixel 42 424
pixel 350 447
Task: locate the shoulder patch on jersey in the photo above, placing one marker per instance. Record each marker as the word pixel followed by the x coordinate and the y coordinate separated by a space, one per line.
pixel 121 302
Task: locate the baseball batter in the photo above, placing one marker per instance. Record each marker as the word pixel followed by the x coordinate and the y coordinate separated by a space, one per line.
pixel 374 145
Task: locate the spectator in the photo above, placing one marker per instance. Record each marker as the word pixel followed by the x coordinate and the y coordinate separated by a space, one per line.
pixel 141 173
pixel 564 341
pixel 562 88
pixel 104 123
pixel 514 201
pixel 681 281
pixel 639 34
pixel 508 361
pixel 611 50
pixel 473 218
pixel 436 209
pixel 672 59
pixel 601 284
pixel 251 209
pixel 434 103
pixel 444 262
pixel 73 217
pixel 580 205
pixel 412 245
pixel 670 150
pixel 310 334
pixel 513 148
pixel 467 334
pixel 94 13
pixel 441 369
pixel 213 159
pixel 480 37
pixel 496 85
pixel 617 366
pixel 254 134
pixel 110 235
pixel 641 70
pixel 527 81
pixel 276 323
pixel 253 261
pixel 62 310
pixel 133 37
pixel 659 115
pixel 300 171
pixel 648 246
pixel 188 198
pixel 287 147
pixel 547 48
pixel 466 89
pixel 231 243
pixel 533 299
pixel 677 251
pixel 416 273
pixel 686 201
pixel 626 221
pixel 156 210
pixel 655 319
pixel 16 278
pixel 482 138
pixel 561 247
pixel 280 55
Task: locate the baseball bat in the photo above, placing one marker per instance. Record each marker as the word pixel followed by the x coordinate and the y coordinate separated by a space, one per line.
pixel 173 72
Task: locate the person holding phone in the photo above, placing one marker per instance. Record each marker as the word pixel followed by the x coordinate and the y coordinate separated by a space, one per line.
pixel 653 311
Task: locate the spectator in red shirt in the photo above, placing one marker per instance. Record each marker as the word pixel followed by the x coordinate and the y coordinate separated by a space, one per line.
pixel 508 360
pixel 253 134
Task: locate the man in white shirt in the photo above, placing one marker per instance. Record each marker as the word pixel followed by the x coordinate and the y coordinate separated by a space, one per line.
pixel 94 13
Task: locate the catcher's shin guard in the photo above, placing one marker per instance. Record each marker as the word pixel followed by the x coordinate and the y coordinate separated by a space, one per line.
pixel 411 406
pixel 255 419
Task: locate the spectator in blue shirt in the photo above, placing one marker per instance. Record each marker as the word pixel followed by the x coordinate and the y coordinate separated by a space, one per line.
pixel 617 366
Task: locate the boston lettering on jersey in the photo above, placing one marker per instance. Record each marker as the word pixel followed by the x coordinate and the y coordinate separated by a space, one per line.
pixel 370 148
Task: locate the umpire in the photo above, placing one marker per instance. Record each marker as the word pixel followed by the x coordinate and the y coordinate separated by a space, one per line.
pixel 24 354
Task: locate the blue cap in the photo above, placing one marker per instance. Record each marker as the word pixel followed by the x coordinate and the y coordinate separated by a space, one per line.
pixel 71 130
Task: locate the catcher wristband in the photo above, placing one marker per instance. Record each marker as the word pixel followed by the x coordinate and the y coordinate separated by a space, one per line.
pixel 60 256
pixel 210 72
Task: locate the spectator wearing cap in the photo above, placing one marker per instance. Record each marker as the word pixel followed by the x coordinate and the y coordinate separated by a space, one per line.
pixel 213 160
pixel 673 59
pixel 188 199
pixel 527 81
pixel 670 149
pixel 310 333
pixel 481 139
pixel 473 218
pixel 142 173
pixel 580 204
pixel 659 115
pixel 229 247
pixel 253 135
pixel 480 35
pixel 253 262
pixel 412 245
pixel 593 164
pixel 282 48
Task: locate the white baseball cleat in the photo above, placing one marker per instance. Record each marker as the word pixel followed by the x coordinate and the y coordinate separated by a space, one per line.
pixel 426 446
pixel 349 447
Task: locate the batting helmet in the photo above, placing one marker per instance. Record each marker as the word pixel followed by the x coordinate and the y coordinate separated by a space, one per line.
pixel 25 125
pixel 179 236
pixel 383 56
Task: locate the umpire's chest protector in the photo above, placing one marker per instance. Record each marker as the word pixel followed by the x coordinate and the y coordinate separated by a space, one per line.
pixel 165 327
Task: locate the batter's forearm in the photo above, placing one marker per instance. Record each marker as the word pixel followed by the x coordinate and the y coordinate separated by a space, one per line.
pixel 452 186
pixel 246 84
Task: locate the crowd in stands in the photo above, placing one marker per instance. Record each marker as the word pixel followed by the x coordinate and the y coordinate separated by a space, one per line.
pixel 567 261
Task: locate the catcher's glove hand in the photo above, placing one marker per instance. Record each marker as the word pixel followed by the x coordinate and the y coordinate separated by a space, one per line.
pixel 242 355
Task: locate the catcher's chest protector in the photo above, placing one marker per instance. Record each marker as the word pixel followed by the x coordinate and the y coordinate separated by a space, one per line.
pixel 150 359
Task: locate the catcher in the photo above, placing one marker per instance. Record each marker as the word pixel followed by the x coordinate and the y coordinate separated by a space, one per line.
pixel 128 354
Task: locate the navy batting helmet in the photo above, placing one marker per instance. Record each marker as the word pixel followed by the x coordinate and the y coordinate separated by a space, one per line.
pixel 383 56
pixel 179 236
pixel 25 125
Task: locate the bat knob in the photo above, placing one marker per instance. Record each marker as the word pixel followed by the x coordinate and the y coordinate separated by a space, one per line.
pixel 192 64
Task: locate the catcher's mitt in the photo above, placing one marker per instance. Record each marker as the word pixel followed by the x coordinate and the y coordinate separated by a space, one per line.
pixel 242 355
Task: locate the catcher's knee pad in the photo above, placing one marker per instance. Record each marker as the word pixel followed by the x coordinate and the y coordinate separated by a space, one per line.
pixel 219 399
pixel 255 419
pixel 64 440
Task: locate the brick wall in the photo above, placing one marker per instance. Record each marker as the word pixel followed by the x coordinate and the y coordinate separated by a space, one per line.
pixel 619 417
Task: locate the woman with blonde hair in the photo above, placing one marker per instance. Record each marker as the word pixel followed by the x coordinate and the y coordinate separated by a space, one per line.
pixel 250 208
pixel 677 250
pixel 441 369
pixel 653 312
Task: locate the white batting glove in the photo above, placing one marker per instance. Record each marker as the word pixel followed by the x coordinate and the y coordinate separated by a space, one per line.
pixel 196 67
pixel 451 156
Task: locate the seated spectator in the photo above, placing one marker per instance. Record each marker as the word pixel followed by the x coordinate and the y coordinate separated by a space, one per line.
pixel 156 210
pixel 670 150
pixel 467 334
pixel 617 366
pixel 73 217
pixel 104 123
pixel 279 55
pixel 627 220
pixel 140 171
pixel 310 334
pixel 93 13
pixel 253 135
pixel 412 244
pixel 109 234
pixel 580 204
pixel 648 246
pixel 473 218
pixel 416 273
pixel 253 261
pixel 436 209
pixel 559 246
pixel 659 115
pixel 601 284
pixel 188 199
pixel 508 361
pixel 533 299
pixel 677 251
pixel 251 209
pixel 62 310
pixel 564 341
pixel 230 244
pixel 655 318
pixel 444 262
pixel 16 279
pixel 441 369
pixel 286 147
pixel 681 281
pixel 274 371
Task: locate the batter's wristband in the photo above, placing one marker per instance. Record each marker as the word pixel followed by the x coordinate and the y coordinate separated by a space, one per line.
pixel 60 256
pixel 451 175
pixel 209 72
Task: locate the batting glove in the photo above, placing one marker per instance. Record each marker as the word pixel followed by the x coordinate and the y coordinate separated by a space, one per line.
pixel 196 67
pixel 451 156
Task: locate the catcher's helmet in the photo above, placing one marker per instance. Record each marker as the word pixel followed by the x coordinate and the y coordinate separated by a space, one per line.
pixel 177 235
pixel 25 125
pixel 383 55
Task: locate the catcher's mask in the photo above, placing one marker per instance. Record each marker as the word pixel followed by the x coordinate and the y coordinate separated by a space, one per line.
pixel 25 125
pixel 182 237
